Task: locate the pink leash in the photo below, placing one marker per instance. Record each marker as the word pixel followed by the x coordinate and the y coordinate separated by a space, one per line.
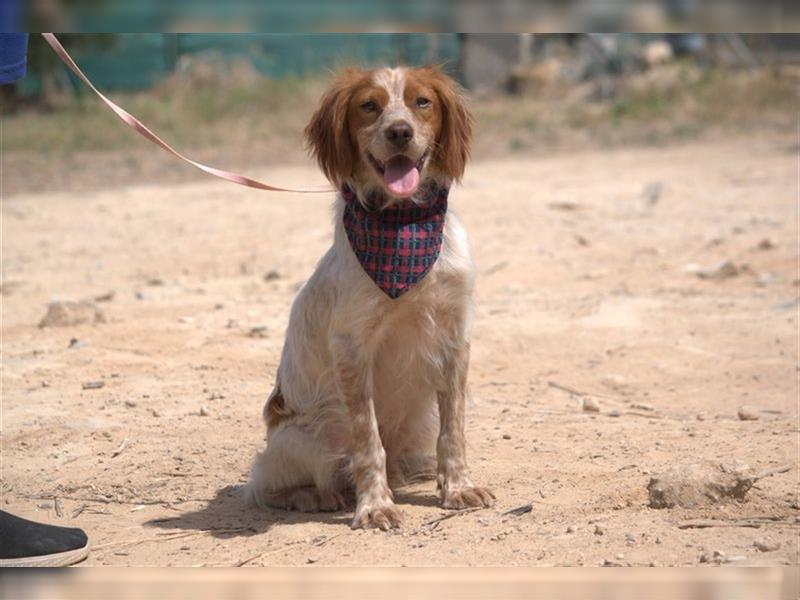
pixel 144 131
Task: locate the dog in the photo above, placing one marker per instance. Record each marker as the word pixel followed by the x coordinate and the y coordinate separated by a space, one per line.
pixel 371 387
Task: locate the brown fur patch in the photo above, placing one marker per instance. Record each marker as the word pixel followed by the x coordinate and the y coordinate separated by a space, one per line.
pixel 275 410
pixel 455 126
pixel 328 135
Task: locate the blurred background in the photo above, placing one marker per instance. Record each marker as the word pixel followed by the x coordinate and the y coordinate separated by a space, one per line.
pixel 411 15
pixel 241 100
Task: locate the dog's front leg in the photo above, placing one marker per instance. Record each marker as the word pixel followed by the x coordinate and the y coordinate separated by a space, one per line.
pixel 374 504
pixel 456 490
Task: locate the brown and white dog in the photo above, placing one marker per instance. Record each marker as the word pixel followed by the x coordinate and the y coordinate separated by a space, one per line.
pixel 370 384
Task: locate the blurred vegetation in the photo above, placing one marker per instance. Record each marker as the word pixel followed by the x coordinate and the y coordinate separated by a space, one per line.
pixel 207 106
pixel 667 103
pixel 195 111
pixel 234 117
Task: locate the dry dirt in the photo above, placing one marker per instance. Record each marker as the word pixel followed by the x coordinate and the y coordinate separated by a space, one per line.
pixel 584 296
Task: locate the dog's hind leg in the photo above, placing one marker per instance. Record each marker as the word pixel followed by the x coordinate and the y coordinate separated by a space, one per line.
pixel 292 473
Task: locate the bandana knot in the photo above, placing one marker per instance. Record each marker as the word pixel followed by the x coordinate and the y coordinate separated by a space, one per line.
pixel 397 245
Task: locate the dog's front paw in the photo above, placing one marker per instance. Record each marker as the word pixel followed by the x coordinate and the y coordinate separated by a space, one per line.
pixel 383 515
pixel 466 497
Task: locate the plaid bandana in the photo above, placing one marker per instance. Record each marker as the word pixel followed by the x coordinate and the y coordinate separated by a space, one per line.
pixel 397 245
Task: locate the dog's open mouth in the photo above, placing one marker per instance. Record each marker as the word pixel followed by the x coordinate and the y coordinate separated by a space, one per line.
pixel 400 173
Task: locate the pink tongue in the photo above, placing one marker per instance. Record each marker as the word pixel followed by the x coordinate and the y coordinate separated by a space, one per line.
pixel 401 176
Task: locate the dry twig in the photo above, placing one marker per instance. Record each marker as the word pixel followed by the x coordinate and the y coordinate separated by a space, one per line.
pixel 120 448
pixel 101 500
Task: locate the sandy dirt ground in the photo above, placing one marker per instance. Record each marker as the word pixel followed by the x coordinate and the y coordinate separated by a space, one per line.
pixel 584 298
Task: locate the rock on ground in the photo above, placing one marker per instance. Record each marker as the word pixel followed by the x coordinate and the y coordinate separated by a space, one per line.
pixel 65 313
pixel 700 484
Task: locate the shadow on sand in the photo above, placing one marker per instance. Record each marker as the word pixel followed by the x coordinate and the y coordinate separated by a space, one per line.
pixel 227 515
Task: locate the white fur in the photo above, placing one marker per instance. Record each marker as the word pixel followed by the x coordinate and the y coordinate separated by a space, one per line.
pixel 402 351
pixel 403 344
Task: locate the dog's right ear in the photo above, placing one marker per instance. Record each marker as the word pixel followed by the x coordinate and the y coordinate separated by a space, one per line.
pixel 327 135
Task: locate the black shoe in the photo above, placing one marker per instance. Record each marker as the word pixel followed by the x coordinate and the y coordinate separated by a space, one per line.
pixel 26 543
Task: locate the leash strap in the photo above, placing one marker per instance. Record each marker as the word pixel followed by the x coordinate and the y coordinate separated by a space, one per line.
pixel 145 132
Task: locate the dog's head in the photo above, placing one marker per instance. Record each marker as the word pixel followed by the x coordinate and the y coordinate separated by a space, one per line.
pixel 391 129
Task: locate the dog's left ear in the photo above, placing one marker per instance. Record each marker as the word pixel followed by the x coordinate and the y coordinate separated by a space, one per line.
pixel 455 134
pixel 327 136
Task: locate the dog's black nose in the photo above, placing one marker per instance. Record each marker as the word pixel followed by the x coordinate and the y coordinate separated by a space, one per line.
pixel 399 133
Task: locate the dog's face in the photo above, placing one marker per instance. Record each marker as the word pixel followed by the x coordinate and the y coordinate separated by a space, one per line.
pixel 391 129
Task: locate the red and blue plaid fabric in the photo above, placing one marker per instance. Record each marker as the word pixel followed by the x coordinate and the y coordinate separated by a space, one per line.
pixel 397 245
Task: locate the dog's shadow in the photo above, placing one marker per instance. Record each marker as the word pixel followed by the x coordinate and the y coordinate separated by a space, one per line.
pixel 227 515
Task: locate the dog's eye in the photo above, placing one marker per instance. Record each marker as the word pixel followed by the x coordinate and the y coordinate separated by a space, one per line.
pixel 423 102
pixel 369 106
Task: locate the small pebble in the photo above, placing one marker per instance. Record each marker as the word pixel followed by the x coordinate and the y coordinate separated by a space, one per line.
pixel 203 411
pixel 258 331
pixel 570 529
pixel 609 563
pixel 723 270
pixel 154 412
pixel 766 545
pixel 764 279
pixel 599 530
pixel 130 403
pixel 614 413
pixel 506 436
pixel 67 313
pixel 272 275
pixel 590 405
pixel 735 558
pixel 748 413
pixel 92 385
pixel 312 559
pixel 582 241
pixel 652 192
pixel 630 537
pixel 766 244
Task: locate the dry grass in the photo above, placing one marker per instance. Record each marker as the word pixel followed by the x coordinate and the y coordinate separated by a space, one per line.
pixel 237 119
pixel 662 105
pixel 187 110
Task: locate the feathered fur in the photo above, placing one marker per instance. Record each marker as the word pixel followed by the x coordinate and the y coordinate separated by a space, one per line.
pixel 371 389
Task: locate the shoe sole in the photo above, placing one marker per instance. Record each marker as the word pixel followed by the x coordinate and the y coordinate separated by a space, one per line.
pixel 60 559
